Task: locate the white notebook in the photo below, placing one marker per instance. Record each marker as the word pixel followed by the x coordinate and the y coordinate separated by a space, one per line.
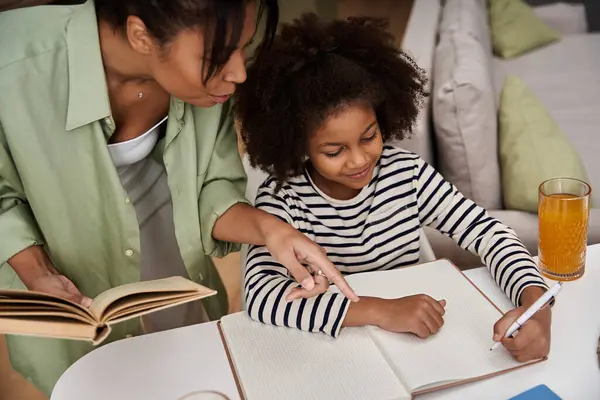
pixel 369 363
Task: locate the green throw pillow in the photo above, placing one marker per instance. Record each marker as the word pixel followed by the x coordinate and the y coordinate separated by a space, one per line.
pixel 532 147
pixel 516 29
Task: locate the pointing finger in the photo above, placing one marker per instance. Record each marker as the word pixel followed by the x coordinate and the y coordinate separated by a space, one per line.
pixel 331 272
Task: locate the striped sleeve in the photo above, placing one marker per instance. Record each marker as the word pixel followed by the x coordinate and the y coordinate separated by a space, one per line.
pixel 443 207
pixel 267 283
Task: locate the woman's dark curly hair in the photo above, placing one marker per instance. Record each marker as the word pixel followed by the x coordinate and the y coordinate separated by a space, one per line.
pixel 314 69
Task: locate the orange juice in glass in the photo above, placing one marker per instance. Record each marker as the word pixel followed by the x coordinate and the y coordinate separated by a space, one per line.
pixel 563 211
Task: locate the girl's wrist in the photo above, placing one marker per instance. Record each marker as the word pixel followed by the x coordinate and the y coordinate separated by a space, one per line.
pixel 368 311
pixel 530 295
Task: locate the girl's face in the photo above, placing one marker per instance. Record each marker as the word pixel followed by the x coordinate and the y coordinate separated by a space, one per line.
pixel 344 151
pixel 178 69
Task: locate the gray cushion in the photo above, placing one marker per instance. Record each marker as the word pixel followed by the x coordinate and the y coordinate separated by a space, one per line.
pixel 465 118
pixel 467 16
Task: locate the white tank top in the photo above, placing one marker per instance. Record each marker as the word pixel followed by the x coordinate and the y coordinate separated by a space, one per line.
pixel 145 181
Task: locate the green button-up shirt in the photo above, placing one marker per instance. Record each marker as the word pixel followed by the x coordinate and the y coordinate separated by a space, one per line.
pixel 60 189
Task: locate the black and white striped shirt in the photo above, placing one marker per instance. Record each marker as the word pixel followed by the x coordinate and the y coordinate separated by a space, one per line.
pixel 377 230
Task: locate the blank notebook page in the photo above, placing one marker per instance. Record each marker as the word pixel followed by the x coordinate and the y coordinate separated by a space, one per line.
pixel 460 350
pixel 285 363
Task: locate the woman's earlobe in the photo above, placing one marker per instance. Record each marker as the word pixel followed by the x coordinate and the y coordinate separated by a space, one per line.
pixel 138 36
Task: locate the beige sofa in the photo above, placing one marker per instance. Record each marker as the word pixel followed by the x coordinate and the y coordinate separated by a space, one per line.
pixel 543 70
pixel 457 132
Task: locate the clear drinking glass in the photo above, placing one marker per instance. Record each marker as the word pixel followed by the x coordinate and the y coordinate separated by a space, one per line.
pixel 203 395
pixel 563 211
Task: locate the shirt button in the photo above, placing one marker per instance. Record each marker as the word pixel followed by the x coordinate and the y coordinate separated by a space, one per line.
pixel 127 200
pixel 128 252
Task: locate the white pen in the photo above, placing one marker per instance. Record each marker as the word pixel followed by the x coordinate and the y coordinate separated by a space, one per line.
pixel 535 307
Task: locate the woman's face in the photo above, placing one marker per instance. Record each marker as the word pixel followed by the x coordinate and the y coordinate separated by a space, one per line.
pixel 178 70
pixel 346 148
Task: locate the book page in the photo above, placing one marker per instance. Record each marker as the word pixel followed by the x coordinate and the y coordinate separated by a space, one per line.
pixel 23 313
pixel 17 299
pixel 139 310
pixel 286 363
pixel 146 291
pixel 14 305
pixel 460 350
pixel 48 326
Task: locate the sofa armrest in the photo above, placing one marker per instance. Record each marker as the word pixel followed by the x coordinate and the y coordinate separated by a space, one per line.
pixel 567 19
pixel 524 224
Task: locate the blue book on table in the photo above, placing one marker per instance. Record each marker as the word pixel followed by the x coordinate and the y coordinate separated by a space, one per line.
pixel 540 392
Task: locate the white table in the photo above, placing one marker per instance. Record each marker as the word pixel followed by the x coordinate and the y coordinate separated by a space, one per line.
pixel 168 365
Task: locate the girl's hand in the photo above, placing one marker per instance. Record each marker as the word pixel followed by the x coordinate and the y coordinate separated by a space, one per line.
pixel 419 314
pixel 532 340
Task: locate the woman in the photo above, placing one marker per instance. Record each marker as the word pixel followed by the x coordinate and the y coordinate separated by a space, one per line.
pixel 118 158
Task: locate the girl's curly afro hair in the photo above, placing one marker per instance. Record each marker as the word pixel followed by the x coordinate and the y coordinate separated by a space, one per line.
pixel 315 69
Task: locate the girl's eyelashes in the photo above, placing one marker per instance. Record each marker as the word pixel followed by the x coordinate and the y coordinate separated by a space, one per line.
pixel 367 139
pixel 370 137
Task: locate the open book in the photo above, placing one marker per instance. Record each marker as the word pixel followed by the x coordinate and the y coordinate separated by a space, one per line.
pixel 38 314
pixel 369 363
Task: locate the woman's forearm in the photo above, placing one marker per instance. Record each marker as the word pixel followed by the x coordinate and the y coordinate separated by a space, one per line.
pixel 244 224
pixel 31 264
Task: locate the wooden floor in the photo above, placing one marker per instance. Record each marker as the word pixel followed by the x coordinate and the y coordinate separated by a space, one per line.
pixel 15 387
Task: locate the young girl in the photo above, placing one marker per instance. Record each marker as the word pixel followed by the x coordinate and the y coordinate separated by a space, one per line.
pixel 316 114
